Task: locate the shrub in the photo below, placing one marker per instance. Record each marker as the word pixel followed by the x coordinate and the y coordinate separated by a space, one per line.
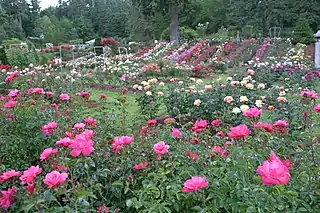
pixel 3 56
pixel 76 41
pixel 302 33
pixel 186 33
pixel 9 42
pixel 21 57
pixel 44 60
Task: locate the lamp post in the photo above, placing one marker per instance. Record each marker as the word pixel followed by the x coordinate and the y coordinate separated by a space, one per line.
pixel 317 51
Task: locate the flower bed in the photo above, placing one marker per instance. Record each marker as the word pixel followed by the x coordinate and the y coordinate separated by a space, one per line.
pixel 249 143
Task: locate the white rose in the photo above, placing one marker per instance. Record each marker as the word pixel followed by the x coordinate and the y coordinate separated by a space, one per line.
pixel 244 99
pixel 197 102
pixel 236 110
pixel 244 108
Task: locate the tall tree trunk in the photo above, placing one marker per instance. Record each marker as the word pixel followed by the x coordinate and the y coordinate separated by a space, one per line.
pixel 174 27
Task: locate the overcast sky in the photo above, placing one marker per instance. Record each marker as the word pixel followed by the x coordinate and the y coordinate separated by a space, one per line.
pixel 47 3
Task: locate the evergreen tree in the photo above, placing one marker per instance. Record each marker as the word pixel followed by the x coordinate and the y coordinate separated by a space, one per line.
pixel 302 33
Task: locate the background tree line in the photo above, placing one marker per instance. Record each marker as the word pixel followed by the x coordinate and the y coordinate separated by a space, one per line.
pixel 143 20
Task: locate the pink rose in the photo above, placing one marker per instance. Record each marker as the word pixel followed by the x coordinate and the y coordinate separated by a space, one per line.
pixel 7 198
pixel 49 94
pixel 317 108
pixel 252 113
pixel 200 126
pixel 14 93
pixel 264 126
pixel 8 175
pixel 55 179
pixel 103 96
pixel 240 131
pixel 47 153
pixel 195 184
pixel 124 140
pixel 85 95
pixel 82 144
pixel 66 142
pixel 281 126
pixel 49 128
pixel 91 122
pixel 141 166
pixel 220 151
pixel 64 97
pixel 216 123
pixel 12 76
pixel 274 171
pixel 79 126
pixel 169 120
pixel 151 122
pixel 193 156
pixel 30 174
pixel 10 104
pixel 160 148
pixel 176 133
pixel 313 95
pixel 38 91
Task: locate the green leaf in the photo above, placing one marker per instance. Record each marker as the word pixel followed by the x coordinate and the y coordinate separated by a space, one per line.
pixel 117 183
pixel 48 196
pixel 167 209
pixel 302 209
pixel 28 207
pixel 81 194
pixel 130 202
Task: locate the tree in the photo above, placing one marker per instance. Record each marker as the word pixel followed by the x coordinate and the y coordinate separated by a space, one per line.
pixel 48 29
pixel 302 33
pixel 173 7
pixel 84 29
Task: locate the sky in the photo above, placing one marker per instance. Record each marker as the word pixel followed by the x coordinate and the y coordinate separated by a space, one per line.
pixel 47 3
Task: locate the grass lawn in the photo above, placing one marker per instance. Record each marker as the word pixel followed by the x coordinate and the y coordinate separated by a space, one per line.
pixel 112 103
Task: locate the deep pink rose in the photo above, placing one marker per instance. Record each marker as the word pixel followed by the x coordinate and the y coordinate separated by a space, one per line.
pixel 240 131
pixel 274 171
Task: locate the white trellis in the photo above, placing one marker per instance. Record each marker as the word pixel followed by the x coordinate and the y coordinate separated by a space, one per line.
pixel 275 32
pixel 123 48
pixel 22 45
pixel 249 29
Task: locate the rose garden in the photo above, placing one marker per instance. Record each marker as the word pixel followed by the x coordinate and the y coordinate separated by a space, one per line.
pixel 207 125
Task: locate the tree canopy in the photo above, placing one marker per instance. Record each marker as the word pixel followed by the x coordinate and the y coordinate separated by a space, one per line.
pixel 146 20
